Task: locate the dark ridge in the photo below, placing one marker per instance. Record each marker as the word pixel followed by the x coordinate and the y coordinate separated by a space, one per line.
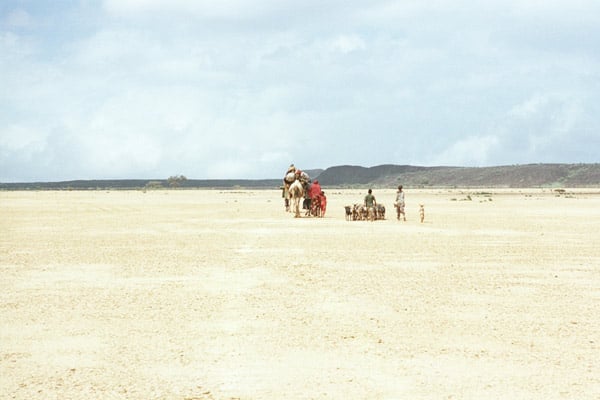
pixel 513 176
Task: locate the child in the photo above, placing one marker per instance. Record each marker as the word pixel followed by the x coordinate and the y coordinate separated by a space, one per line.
pixel 323 203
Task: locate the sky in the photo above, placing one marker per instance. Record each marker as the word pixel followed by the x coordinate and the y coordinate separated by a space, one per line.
pixel 147 89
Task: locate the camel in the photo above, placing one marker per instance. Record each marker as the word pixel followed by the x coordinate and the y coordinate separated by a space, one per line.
pixel 296 193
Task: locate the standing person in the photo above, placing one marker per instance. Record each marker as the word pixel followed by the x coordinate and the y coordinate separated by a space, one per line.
pixel 370 204
pixel 314 190
pixel 399 204
pixel 323 204
pixel 370 199
pixel 314 193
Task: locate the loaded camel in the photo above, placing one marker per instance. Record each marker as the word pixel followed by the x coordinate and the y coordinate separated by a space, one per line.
pixel 296 194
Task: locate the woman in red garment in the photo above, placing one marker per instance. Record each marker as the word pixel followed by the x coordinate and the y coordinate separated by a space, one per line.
pixel 314 190
pixel 314 193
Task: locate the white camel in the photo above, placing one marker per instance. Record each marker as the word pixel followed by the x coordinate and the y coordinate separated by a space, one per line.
pixel 296 193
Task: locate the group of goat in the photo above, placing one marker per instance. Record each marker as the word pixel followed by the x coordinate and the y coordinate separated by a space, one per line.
pixel 360 212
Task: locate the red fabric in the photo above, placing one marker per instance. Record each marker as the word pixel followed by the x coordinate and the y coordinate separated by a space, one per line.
pixel 315 190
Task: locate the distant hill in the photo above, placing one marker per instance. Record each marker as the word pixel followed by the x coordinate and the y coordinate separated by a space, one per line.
pixel 514 176
pixel 388 175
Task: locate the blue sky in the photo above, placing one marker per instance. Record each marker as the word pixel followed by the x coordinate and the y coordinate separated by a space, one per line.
pixel 240 89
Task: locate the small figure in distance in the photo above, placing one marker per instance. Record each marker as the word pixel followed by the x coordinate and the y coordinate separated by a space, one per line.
pixel 422 212
pixel 370 203
pixel 399 204
pixel 323 204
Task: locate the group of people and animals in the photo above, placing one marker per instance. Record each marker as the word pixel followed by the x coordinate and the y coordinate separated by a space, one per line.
pixel 370 210
pixel 297 187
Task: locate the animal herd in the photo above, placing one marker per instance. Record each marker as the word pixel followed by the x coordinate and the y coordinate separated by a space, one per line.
pixel 355 212
pixel 360 212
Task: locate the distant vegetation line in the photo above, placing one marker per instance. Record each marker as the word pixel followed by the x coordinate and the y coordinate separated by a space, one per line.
pixel 389 175
pixel 148 184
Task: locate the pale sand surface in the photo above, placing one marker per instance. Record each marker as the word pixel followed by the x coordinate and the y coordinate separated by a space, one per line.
pixel 208 294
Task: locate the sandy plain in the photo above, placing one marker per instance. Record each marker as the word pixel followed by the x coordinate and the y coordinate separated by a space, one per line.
pixel 210 294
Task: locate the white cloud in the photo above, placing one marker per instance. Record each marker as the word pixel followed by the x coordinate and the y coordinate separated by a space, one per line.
pixel 207 9
pixel 200 7
pixel 152 88
pixel 530 107
pixel 472 150
pixel 22 138
pixel 349 43
pixel 19 19
pixel 13 47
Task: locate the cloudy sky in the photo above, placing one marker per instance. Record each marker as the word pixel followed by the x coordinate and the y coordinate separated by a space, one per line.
pixel 105 89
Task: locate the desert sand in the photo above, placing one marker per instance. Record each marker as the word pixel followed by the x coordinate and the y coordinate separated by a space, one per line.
pixel 221 294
